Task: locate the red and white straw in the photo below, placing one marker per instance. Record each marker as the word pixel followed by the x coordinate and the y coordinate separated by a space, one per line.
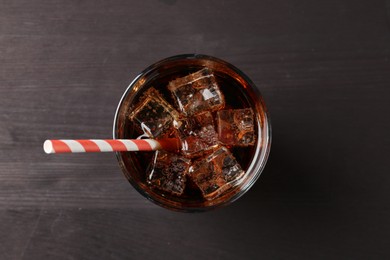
pixel 117 145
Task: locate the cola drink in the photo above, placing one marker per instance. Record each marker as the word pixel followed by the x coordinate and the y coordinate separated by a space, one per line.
pixel 220 119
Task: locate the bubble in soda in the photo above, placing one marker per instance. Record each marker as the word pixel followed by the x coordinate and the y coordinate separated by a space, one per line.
pixel 197 92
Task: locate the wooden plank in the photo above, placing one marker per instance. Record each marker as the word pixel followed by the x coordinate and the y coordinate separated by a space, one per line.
pixel 323 67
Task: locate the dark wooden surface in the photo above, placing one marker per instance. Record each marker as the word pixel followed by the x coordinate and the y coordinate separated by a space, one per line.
pixel 322 66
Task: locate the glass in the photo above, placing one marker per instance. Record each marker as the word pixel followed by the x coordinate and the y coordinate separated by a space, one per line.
pixel 239 92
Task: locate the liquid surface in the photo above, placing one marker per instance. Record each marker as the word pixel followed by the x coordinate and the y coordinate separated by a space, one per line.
pixel 235 98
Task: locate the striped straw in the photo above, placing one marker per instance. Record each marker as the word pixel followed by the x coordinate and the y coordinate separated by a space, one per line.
pixel 117 145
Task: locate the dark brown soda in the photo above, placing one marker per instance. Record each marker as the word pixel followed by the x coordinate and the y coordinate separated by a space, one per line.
pixel 235 97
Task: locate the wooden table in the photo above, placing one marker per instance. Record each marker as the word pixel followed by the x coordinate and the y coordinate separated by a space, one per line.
pixel 322 66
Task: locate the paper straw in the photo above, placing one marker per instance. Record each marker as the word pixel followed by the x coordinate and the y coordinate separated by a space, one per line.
pixel 117 145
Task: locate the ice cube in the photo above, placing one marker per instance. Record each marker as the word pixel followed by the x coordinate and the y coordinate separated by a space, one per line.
pixel 154 115
pixel 197 92
pixel 236 127
pixel 168 172
pixel 216 173
pixel 197 134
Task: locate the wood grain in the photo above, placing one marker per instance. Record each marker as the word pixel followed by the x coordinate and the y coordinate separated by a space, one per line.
pixel 322 66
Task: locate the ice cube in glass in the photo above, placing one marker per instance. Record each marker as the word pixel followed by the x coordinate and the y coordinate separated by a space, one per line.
pixel 168 172
pixel 154 115
pixel 197 92
pixel 197 135
pixel 216 173
pixel 236 127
